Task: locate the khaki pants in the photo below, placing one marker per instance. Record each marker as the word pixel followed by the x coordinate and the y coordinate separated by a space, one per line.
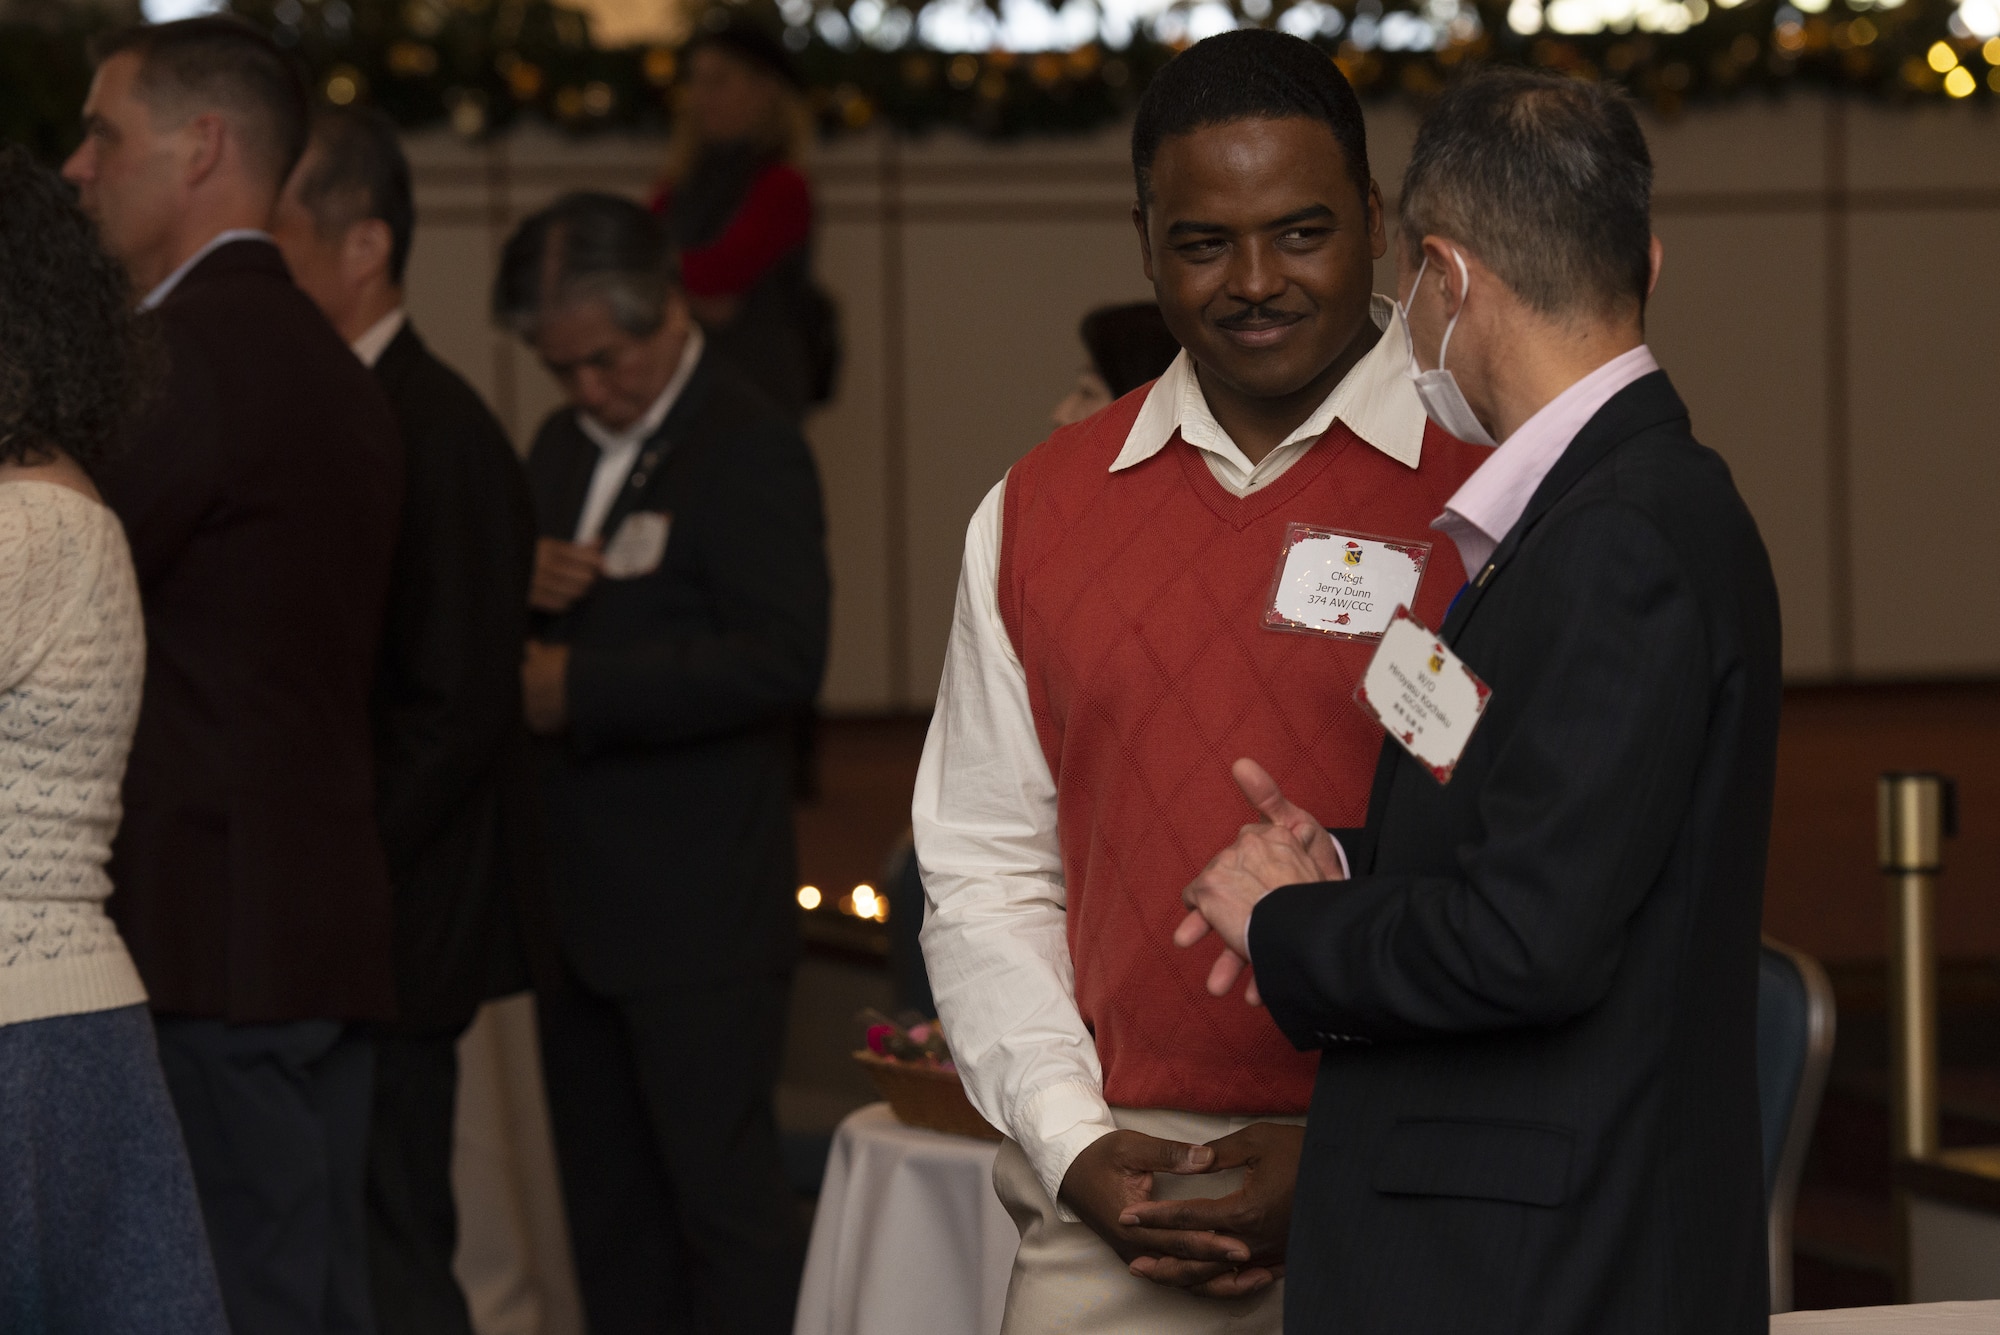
pixel 1066 1278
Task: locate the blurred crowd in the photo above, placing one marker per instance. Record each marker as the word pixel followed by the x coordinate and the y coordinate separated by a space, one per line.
pixel 324 718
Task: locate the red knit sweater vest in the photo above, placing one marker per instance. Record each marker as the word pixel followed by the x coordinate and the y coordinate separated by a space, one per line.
pixel 1135 600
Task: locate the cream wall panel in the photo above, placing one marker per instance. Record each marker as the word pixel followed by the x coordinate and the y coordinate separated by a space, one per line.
pixel 1392 132
pixel 851 445
pixel 988 254
pixel 1745 343
pixel 1953 147
pixel 991 311
pixel 1750 147
pixel 450 273
pixel 1926 472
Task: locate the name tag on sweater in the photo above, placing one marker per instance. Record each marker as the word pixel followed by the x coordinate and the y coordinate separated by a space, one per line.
pixel 1423 693
pixel 1347 585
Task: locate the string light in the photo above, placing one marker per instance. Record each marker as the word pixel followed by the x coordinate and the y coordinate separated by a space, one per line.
pixel 809 897
pixel 864 901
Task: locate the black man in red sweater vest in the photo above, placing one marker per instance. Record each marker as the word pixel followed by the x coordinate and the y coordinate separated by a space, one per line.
pixel 1195 573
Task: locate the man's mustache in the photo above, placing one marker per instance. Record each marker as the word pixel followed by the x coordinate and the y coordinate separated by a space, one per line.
pixel 1259 316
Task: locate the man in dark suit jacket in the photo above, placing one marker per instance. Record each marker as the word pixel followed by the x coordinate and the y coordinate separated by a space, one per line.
pixel 1535 987
pixel 454 793
pixel 260 496
pixel 682 593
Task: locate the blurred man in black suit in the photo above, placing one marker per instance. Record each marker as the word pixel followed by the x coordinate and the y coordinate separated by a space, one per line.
pixel 260 495
pixel 453 790
pixel 1535 986
pixel 681 595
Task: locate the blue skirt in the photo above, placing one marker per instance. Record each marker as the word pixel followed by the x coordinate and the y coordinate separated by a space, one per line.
pixel 100 1230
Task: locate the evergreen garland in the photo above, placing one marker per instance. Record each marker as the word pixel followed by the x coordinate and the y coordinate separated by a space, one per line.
pixel 480 65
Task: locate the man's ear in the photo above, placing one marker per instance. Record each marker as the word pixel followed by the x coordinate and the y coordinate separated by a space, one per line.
pixel 1378 237
pixel 1656 255
pixel 1145 241
pixel 364 251
pixel 207 138
pixel 1441 259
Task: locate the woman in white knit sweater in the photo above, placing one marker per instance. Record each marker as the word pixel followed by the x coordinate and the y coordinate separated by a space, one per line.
pixel 99 1225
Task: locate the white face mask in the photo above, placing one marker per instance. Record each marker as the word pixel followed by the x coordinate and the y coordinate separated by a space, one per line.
pixel 1444 402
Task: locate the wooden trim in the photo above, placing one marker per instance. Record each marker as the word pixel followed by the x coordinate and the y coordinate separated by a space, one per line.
pixel 1956 1177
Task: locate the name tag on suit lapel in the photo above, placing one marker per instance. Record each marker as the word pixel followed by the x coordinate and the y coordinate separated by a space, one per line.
pixel 1347 585
pixel 638 546
pixel 1424 694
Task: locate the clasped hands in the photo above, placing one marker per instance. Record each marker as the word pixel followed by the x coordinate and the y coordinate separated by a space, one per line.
pixel 1226 1247
pixel 1233 1245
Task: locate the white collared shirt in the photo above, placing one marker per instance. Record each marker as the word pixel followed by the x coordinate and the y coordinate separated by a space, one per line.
pixel 1374 399
pixel 985 807
pixel 619 450
pixel 167 285
pixel 375 340
pixel 1488 504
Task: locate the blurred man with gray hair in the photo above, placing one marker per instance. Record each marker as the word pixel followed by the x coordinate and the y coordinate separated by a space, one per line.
pixel 1533 981
pixel 681 604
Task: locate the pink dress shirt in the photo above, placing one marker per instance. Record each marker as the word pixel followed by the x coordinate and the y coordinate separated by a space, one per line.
pixel 1491 501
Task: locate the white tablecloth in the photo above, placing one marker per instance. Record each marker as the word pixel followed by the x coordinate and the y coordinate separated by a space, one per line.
pixel 1921 1319
pixel 909 1238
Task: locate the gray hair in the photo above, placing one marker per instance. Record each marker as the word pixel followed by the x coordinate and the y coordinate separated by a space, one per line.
pixel 587 247
pixel 1547 179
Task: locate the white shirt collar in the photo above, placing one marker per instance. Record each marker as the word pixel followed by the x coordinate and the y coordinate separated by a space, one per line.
pixel 215 243
pixel 1376 400
pixel 634 435
pixel 1490 502
pixel 375 340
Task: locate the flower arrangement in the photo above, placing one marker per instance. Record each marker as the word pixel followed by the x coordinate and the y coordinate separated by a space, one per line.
pixel 912 1040
pixel 911 1066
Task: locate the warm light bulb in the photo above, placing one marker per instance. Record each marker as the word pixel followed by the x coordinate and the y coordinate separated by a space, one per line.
pixel 1960 83
pixel 1942 57
pixel 809 897
pixel 864 901
pixel 1991 50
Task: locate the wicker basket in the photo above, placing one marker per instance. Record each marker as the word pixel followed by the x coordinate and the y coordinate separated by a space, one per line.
pixel 927 1097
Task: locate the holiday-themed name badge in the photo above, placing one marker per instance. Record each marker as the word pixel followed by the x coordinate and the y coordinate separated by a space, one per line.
pixel 638 546
pixel 1342 584
pixel 1423 693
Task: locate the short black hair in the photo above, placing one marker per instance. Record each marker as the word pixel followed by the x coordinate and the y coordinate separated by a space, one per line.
pixel 1546 178
pixel 585 246
pixel 75 362
pixel 1128 345
pixel 1247 74
pixel 221 63
pixel 359 172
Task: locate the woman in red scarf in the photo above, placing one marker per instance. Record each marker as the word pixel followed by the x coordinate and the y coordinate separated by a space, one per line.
pixel 740 211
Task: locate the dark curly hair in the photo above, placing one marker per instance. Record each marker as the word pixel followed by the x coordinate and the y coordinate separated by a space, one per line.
pixel 75 362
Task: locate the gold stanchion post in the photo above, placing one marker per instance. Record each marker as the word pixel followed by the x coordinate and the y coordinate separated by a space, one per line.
pixel 1915 813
